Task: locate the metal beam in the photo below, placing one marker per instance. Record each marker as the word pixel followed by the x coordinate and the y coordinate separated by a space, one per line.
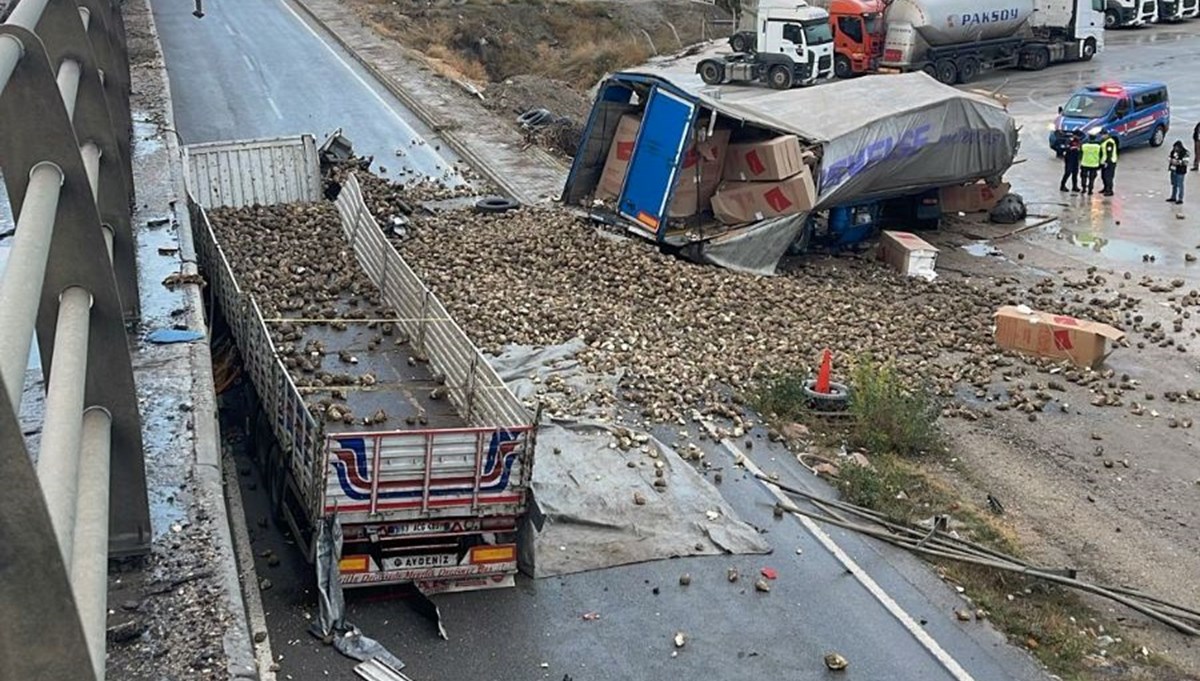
pixel 62 433
pixel 69 73
pixel 21 282
pixel 89 563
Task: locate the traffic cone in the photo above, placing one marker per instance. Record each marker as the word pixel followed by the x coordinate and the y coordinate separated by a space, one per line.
pixel 823 374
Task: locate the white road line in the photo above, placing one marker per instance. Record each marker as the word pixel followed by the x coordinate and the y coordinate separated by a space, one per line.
pixel 249 62
pixel 229 30
pixel 345 64
pixel 939 653
pixel 275 108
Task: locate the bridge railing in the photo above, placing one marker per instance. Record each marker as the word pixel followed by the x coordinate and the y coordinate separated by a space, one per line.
pixel 70 280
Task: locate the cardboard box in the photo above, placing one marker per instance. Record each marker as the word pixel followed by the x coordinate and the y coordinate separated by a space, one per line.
pixel 738 202
pixel 972 198
pixel 1053 336
pixel 700 174
pixel 908 254
pixel 773 160
pixel 619 153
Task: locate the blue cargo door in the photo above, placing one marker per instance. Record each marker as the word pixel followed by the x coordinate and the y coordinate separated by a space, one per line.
pixel 656 156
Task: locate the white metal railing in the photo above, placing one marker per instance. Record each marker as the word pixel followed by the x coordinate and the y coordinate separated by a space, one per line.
pixel 69 282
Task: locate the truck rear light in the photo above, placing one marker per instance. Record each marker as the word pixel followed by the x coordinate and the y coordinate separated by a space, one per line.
pixel 493 554
pixel 353 564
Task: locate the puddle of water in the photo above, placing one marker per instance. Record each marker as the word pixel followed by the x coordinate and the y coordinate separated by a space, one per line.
pixel 983 249
pixel 1116 249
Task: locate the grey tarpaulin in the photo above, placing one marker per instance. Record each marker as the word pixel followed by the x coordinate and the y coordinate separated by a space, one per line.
pixel 331 624
pixel 585 516
pixel 755 249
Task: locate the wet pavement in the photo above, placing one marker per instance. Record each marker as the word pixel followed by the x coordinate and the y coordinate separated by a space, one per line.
pixel 255 69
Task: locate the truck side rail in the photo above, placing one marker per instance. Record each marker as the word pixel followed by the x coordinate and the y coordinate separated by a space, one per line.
pixel 473 385
pixel 291 422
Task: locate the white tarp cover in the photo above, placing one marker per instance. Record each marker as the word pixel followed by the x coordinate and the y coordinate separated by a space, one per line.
pixel 585 491
pixel 880 135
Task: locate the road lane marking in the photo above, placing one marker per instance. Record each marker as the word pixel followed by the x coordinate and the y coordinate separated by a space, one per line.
pixel 906 620
pixel 275 108
pixel 249 62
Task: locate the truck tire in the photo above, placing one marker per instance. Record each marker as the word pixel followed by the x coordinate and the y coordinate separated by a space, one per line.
pixel 1089 49
pixel 837 399
pixel 842 68
pixel 930 70
pixel 1112 19
pixel 739 42
pixel 495 204
pixel 712 73
pixel 1159 136
pixel 968 69
pixel 780 77
pixel 1038 59
pixel 947 72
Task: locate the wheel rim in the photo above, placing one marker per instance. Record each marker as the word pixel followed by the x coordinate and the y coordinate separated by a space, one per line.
pixel 1110 20
pixel 968 71
pixel 709 73
pixel 1158 137
pixel 841 67
pixel 779 78
pixel 947 73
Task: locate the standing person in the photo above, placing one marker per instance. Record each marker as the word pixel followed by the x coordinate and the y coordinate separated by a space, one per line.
pixel 1090 157
pixel 1108 169
pixel 1071 165
pixel 1178 165
pixel 1196 147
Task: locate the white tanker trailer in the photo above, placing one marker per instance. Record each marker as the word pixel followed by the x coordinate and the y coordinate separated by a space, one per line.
pixel 955 40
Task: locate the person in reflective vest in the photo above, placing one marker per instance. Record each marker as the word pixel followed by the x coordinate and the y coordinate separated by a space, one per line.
pixel 1090 160
pixel 1108 163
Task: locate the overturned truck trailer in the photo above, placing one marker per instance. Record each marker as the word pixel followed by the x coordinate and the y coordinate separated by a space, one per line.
pixel 735 176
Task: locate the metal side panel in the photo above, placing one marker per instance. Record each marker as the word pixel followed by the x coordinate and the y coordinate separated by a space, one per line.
pixel 415 474
pixel 656 156
pixel 249 172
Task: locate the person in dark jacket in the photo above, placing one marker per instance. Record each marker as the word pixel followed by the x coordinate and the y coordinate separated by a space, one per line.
pixel 1196 147
pixel 1178 165
pixel 1071 165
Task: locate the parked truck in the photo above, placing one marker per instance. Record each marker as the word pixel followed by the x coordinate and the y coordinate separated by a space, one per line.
pixel 1121 13
pixel 956 40
pixel 791 45
pixel 858 35
pixel 436 501
pixel 1172 11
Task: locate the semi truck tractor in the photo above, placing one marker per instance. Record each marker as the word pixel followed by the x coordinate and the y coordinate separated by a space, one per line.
pixel 857 28
pixel 1121 13
pixel 956 40
pixel 791 45
pixel 1171 11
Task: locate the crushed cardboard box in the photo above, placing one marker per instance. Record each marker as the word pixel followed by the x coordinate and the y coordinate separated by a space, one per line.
pixel 1053 336
pixel 773 160
pixel 908 254
pixel 738 202
pixel 972 198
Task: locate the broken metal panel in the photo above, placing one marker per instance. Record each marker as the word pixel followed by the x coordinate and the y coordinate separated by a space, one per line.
pixel 376 670
pixel 254 172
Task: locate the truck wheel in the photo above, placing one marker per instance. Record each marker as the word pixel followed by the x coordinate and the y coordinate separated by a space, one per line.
pixel 712 73
pixel 496 204
pixel 930 70
pixel 842 67
pixel 780 77
pixel 1160 136
pixel 968 69
pixel 947 72
pixel 1089 49
pixel 738 42
pixel 1038 59
pixel 1112 19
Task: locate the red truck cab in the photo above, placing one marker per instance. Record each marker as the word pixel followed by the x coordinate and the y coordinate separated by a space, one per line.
pixel 858 34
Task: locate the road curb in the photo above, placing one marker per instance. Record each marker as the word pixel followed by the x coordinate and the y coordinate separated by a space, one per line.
pixel 428 117
pixel 237 643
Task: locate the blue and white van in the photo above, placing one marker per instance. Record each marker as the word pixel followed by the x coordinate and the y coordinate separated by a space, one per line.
pixel 1133 113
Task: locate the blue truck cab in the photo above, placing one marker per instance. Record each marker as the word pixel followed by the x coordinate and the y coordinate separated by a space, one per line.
pixel 1133 113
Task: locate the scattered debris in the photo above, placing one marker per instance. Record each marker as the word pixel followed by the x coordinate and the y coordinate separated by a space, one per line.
pixel 680 639
pixel 836 662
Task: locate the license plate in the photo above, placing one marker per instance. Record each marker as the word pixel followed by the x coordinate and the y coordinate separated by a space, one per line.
pixel 431 527
pixel 404 562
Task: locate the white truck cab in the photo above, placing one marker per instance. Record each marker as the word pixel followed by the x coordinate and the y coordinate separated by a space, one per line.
pixel 1170 11
pixel 1118 13
pixel 791 45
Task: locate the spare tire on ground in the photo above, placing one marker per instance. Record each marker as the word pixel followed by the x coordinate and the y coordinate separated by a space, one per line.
pixel 1009 210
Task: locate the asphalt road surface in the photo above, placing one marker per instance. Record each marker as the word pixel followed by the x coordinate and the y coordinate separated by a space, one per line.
pixel 254 68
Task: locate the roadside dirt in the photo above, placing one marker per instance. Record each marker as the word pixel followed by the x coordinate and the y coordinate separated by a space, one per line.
pixel 539 54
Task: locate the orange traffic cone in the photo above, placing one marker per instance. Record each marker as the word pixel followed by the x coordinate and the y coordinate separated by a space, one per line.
pixel 823 374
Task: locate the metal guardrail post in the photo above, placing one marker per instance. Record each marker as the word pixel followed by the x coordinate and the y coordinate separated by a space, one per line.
pixel 58 462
